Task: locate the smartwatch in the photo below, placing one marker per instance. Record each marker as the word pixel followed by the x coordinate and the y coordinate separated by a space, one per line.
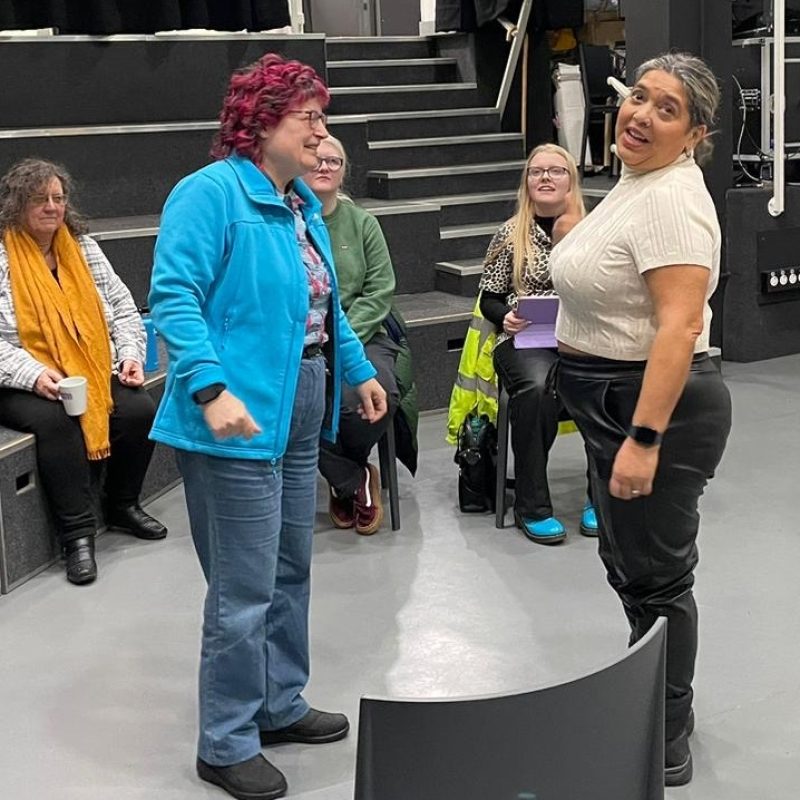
pixel 646 437
pixel 208 393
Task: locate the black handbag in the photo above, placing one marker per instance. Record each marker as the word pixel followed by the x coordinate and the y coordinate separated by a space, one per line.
pixel 476 456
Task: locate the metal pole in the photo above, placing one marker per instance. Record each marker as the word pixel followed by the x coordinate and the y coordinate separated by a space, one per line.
pixel 776 204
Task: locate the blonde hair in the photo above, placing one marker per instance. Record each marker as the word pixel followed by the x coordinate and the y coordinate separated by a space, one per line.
pixel 339 147
pixel 524 248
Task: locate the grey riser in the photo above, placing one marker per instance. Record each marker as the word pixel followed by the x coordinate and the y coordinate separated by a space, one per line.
pixel 28 542
pixel 395 186
pixel 412 239
pixel 467 246
pixel 377 74
pixel 27 539
pixel 444 154
pixel 590 201
pixel 338 49
pixel 132 259
pixel 436 349
pixel 433 124
pixel 118 175
pixel 411 98
pixel 464 285
pixel 158 80
pixel 478 211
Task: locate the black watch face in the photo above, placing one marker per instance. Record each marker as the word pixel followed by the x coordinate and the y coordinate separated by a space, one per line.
pixel 645 435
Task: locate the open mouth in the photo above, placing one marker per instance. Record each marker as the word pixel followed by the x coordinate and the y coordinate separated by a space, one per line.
pixel 636 136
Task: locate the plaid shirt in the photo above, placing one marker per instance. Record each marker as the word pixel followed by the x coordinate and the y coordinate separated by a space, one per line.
pixel 19 370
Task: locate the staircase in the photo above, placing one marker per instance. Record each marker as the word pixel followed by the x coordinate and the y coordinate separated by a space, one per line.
pixel 440 175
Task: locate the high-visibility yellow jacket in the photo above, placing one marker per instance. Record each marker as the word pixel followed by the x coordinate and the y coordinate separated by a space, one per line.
pixel 475 388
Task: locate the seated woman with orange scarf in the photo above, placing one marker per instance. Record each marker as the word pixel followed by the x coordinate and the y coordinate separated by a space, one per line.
pixel 65 312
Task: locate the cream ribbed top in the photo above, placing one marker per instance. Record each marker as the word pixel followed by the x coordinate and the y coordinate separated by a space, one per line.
pixel 648 220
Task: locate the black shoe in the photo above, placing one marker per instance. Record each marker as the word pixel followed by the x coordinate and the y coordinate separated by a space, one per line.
pixel 254 779
pixel 316 727
pixel 690 723
pixel 81 566
pixel 135 520
pixel 677 761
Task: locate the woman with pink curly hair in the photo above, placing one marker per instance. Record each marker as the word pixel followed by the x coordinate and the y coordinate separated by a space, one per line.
pixel 244 293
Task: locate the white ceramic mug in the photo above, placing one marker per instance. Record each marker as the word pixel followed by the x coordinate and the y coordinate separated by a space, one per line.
pixel 72 392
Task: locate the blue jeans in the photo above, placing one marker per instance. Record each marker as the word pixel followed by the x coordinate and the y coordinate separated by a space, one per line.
pixel 252 523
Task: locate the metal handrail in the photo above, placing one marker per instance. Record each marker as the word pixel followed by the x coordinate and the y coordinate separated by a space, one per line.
pixel 512 35
pixel 776 203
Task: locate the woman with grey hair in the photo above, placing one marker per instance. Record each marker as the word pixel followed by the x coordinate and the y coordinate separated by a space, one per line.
pixel 65 312
pixel 635 278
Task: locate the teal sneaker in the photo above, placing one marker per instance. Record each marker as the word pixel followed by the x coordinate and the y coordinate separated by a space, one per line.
pixel 589 525
pixel 542 531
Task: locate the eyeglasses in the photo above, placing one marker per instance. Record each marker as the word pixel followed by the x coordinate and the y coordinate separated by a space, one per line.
pixel 313 117
pixel 333 163
pixel 555 173
pixel 44 199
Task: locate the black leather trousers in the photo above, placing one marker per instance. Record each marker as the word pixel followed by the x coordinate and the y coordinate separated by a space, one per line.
pixel 648 545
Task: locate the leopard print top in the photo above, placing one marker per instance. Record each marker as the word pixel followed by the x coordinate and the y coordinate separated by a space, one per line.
pixel 498 271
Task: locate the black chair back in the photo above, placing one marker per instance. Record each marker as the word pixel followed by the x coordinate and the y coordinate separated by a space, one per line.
pixel 600 737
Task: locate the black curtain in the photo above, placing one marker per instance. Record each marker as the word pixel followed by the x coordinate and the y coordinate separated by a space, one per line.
pixel 468 15
pixel 101 17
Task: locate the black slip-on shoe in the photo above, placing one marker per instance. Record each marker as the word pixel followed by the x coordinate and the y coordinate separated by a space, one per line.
pixel 254 779
pixel 316 727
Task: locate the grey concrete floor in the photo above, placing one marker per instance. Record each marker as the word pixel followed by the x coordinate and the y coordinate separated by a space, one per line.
pixel 97 684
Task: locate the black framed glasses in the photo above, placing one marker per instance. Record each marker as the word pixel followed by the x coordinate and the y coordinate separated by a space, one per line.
pixel 554 173
pixel 333 163
pixel 313 117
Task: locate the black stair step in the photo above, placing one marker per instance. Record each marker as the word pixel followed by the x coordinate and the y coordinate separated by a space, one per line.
pixel 437 122
pixel 459 277
pixel 95 80
pixel 120 170
pixel 349 48
pixel 424 97
pixel 466 241
pixel 385 72
pixel 440 151
pixel 128 242
pixel 437 325
pixel 465 209
pixel 417 183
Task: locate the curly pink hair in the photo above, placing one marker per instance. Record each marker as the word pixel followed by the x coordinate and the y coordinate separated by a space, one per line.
pixel 258 97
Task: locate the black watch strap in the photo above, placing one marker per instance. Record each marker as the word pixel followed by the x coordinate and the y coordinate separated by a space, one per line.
pixel 647 437
pixel 208 393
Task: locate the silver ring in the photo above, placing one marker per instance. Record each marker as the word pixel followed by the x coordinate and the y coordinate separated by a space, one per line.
pixel 635 491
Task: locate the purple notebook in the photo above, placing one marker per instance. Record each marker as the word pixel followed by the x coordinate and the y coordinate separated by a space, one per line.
pixel 542 312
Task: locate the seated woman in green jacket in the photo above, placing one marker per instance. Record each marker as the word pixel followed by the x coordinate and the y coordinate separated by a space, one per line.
pixel 366 288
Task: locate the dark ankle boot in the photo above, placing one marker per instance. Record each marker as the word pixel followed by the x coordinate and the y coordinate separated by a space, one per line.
pixel 81 566
pixel 677 761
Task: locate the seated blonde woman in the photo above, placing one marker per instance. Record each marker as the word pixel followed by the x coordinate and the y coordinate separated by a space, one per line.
pixel 549 203
pixel 65 312
pixel 366 283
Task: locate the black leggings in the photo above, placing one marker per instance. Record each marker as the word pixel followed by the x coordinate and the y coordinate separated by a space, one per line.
pixel 342 462
pixel 648 545
pixel 64 470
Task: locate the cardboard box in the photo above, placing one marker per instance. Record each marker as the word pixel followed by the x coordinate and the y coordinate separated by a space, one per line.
pixel 603 27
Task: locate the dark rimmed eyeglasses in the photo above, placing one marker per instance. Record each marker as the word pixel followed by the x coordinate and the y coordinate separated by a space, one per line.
pixel 554 173
pixel 333 163
pixel 313 117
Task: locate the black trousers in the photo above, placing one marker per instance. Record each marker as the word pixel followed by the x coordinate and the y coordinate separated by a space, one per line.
pixel 533 412
pixel 648 545
pixel 64 470
pixel 342 462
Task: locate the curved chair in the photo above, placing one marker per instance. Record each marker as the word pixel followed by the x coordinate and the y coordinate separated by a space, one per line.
pixel 599 737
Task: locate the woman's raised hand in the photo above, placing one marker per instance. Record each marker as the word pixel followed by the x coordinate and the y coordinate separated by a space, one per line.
pixel 568 220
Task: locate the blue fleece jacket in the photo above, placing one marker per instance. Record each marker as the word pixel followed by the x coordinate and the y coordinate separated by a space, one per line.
pixel 229 295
